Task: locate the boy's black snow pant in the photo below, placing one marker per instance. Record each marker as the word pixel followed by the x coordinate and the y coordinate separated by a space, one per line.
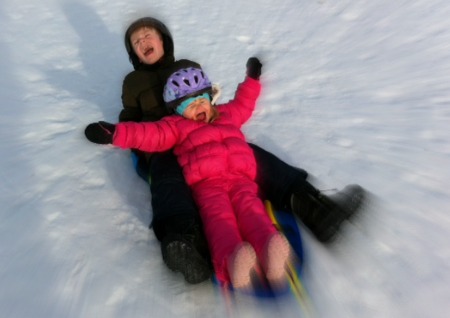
pixel 174 210
pixel 276 179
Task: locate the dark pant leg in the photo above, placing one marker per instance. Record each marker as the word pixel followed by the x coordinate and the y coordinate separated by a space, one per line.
pixel 276 179
pixel 174 210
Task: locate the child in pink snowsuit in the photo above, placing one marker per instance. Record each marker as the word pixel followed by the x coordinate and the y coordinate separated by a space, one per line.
pixel 220 168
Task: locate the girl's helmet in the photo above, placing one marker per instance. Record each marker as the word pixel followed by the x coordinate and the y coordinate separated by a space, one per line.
pixel 183 84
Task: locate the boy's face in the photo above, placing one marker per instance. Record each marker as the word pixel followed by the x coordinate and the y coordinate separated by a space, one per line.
pixel 148 45
pixel 199 110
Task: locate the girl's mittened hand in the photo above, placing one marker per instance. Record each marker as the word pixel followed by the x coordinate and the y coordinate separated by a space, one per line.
pixel 254 68
pixel 100 133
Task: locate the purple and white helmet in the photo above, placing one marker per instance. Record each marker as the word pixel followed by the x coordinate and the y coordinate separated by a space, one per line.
pixel 185 83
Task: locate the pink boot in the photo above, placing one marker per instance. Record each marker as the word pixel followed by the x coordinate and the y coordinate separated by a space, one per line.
pixel 240 265
pixel 276 257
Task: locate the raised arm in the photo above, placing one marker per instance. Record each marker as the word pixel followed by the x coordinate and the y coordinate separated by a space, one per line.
pixel 247 93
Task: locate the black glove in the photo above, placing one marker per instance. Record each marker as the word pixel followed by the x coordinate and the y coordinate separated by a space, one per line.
pixel 254 68
pixel 100 133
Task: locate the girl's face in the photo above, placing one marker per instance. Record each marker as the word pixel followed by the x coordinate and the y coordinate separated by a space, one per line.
pixel 199 110
pixel 148 45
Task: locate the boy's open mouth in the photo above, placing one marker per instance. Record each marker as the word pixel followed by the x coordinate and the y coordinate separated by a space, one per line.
pixel 148 51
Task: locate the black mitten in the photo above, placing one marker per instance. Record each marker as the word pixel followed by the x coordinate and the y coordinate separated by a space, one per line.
pixel 100 133
pixel 254 68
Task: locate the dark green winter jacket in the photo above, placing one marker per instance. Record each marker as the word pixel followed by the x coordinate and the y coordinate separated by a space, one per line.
pixel 142 94
pixel 142 90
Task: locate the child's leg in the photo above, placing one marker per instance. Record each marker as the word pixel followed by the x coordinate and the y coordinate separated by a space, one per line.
pixel 241 264
pixel 254 222
pixel 176 220
pixel 277 253
pixel 271 247
pixel 221 228
pixel 277 179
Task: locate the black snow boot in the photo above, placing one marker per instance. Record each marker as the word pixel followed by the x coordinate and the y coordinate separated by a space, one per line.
pixel 324 214
pixel 187 253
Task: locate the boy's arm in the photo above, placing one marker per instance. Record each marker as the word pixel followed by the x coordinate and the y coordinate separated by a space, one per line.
pixel 131 109
pixel 142 97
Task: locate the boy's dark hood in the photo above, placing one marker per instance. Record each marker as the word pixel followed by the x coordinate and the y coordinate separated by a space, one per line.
pixel 151 23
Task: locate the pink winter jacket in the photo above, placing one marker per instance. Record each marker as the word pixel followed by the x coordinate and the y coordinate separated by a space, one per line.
pixel 204 150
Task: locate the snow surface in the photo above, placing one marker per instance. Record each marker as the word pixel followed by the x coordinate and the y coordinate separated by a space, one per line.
pixel 354 92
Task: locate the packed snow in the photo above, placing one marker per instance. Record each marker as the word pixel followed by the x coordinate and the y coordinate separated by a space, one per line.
pixel 354 92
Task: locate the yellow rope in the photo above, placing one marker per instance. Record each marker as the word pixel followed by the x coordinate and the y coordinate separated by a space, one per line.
pixel 295 283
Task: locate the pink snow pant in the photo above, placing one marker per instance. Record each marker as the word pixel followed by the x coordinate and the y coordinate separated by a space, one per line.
pixel 232 213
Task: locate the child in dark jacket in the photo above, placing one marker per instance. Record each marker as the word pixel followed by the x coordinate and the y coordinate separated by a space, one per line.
pixel 175 219
pixel 218 165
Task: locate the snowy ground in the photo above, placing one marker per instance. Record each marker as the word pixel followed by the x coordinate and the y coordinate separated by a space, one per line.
pixel 357 91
